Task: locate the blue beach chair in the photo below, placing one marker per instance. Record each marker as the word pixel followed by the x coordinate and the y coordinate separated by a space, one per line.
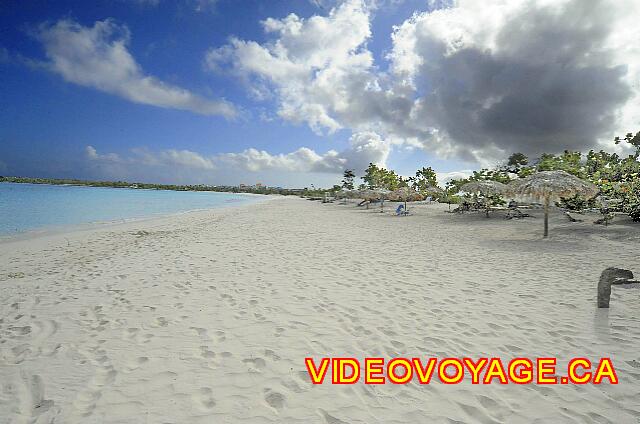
pixel 400 211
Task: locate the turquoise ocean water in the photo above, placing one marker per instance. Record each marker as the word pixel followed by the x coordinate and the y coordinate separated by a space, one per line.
pixel 26 207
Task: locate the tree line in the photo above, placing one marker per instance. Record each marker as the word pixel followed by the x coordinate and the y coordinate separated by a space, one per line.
pixel 152 186
pixel 617 178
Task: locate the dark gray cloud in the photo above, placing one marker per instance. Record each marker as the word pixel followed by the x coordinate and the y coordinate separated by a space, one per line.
pixel 549 83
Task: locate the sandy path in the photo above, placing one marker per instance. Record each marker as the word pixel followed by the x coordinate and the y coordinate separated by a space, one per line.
pixel 207 317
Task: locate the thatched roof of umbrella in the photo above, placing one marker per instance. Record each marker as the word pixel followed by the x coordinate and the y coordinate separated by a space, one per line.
pixel 345 193
pixel 552 185
pixel 433 189
pixel 484 187
pixel 370 194
pixel 404 194
pixel 376 193
pixel 356 194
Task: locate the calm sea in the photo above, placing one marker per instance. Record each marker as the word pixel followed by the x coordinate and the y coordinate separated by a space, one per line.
pixel 25 207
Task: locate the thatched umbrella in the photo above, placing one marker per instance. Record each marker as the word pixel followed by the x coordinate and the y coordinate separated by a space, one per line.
pixel 551 185
pixel 345 194
pixel 369 195
pixel 486 188
pixel 404 194
pixel 428 190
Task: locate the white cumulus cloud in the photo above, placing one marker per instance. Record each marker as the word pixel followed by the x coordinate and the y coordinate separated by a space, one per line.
pixel 314 66
pixel 364 148
pixel 98 57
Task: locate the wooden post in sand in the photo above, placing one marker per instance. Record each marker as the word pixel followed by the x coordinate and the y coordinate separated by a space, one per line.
pixel 547 200
pixel 609 277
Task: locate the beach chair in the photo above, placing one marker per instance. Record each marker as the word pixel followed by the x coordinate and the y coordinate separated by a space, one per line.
pixel 400 211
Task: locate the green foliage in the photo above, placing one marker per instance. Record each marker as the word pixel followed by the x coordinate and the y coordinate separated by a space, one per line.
pixel 424 180
pixel 150 186
pixel 376 177
pixel 348 179
pixel 634 140
pixel 372 176
pixel 500 174
pixel 517 159
pixel 453 199
pixel 516 164
pixel 495 200
pixel 453 186
pixel 570 162
pixel 576 203
pixel 630 193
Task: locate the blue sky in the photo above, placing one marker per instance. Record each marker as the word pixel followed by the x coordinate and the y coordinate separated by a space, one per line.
pixel 289 92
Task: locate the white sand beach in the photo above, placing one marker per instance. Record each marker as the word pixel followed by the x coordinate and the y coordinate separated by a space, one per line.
pixel 206 317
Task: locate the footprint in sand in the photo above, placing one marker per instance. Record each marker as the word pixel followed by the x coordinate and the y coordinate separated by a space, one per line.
pixel 206 353
pixel 19 331
pixel 271 354
pixel 133 334
pixel 161 322
pixel 256 364
pixel 136 363
pixel 221 336
pixel 274 399
pixel 27 392
pixel 203 399
pixel 86 400
pixel 202 332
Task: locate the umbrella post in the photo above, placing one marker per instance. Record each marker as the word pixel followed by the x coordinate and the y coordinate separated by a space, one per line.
pixel 546 216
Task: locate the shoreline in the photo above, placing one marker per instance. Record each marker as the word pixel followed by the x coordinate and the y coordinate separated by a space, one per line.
pixel 147 186
pixel 71 229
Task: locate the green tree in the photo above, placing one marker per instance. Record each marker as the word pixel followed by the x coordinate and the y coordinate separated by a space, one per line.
pixel 517 164
pixel 634 140
pixel 376 177
pixel 518 159
pixel 372 176
pixel 424 180
pixel 570 162
pixel 348 179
